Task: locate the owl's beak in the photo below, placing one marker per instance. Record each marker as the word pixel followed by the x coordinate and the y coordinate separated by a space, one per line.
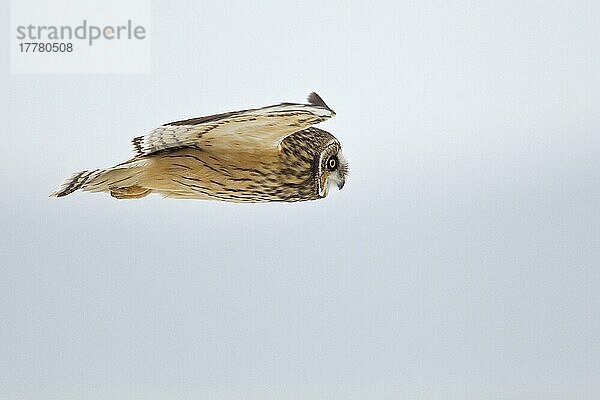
pixel 341 183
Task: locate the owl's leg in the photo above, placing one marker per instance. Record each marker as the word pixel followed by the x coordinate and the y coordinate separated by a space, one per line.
pixel 130 192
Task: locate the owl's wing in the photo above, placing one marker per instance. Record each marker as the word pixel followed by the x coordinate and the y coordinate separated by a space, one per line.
pixel 265 126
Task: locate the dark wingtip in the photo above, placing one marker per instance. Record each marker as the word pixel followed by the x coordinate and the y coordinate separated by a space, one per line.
pixel 316 100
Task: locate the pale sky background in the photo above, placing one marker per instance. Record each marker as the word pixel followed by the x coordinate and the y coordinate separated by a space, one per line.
pixel 461 260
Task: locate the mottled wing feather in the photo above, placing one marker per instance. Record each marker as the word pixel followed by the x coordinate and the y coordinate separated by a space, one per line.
pixel 265 126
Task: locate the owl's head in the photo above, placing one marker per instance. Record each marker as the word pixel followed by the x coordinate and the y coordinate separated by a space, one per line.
pixel 332 167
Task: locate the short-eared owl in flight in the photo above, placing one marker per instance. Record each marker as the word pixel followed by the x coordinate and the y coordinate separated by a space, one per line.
pixel 258 155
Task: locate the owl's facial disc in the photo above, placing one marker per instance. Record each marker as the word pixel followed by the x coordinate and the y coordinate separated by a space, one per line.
pixel 338 168
pixel 334 170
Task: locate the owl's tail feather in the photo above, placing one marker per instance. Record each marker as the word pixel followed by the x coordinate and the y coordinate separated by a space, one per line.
pixel 121 181
pixel 75 182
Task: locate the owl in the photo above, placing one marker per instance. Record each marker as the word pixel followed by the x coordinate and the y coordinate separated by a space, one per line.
pixel 266 154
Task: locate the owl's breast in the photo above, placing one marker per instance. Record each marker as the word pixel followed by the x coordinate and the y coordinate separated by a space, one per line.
pixel 232 175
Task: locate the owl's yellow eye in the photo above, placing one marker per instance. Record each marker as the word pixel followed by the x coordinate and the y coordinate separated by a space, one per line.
pixel 332 163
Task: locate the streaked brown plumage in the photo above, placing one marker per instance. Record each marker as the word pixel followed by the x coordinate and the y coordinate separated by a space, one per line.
pixel 258 155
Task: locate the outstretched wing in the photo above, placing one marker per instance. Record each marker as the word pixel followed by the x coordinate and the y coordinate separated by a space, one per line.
pixel 265 126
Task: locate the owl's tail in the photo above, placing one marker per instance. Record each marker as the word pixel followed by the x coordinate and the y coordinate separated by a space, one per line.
pixel 121 181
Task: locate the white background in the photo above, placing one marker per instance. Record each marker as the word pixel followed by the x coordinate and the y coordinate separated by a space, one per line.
pixel 460 261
